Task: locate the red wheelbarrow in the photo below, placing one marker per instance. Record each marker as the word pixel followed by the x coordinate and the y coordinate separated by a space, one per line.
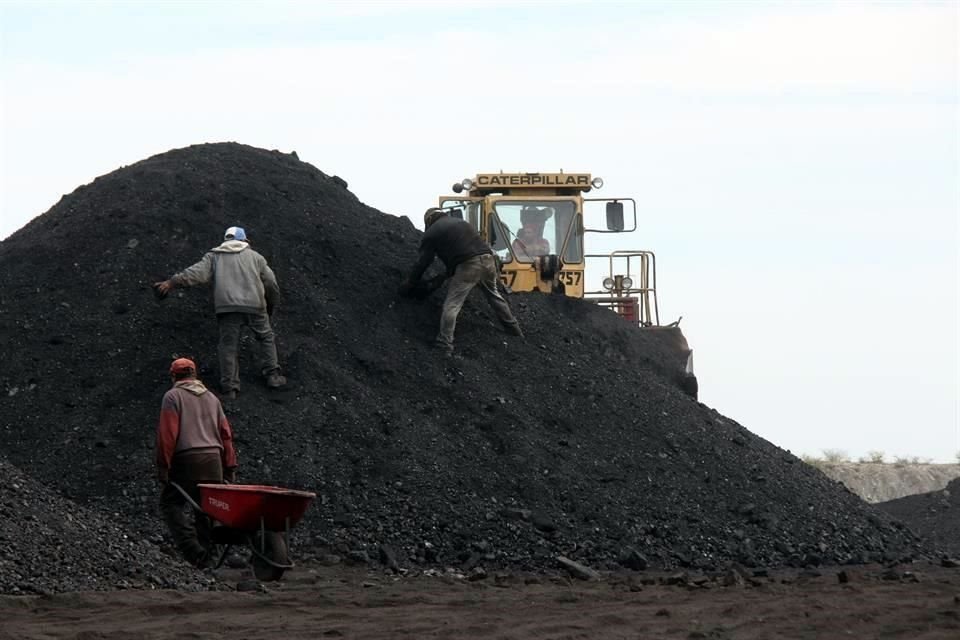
pixel 258 516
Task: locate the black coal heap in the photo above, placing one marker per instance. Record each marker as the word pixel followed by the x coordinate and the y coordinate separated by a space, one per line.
pixel 935 516
pixel 575 441
pixel 49 544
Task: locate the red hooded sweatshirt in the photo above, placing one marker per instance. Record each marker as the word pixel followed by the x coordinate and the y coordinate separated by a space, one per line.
pixel 191 418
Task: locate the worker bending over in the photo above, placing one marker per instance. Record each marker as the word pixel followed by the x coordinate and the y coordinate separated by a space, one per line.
pixel 470 263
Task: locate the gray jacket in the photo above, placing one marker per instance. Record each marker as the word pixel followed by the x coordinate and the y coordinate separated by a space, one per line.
pixel 242 280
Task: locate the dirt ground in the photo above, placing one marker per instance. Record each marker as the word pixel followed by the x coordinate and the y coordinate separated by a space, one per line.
pixel 343 603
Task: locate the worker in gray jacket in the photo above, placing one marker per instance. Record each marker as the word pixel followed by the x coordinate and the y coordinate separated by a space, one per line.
pixel 245 291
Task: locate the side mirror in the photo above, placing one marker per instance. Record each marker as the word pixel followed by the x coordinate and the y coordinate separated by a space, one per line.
pixel 615 216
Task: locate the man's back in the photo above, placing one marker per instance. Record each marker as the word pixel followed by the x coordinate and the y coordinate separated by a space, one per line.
pixel 199 417
pixel 242 279
pixel 453 240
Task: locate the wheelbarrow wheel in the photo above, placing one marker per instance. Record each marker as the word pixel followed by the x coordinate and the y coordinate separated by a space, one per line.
pixel 274 548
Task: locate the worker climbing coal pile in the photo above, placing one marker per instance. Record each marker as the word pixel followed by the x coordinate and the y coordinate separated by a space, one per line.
pixel 470 262
pixel 575 441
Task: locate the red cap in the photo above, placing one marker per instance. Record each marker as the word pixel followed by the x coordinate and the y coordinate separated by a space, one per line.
pixel 182 365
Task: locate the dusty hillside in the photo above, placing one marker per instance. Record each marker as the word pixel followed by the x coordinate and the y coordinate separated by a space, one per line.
pixel 876 482
pixel 576 441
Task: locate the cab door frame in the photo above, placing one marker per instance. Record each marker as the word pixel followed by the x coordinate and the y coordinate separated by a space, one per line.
pixel 465 199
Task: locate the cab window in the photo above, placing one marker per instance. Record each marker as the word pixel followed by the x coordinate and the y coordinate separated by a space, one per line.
pixel 527 229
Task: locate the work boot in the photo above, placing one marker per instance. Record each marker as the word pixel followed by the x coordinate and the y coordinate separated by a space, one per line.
pixel 195 554
pixel 445 349
pixel 229 395
pixel 275 380
pixel 513 330
pixel 236 561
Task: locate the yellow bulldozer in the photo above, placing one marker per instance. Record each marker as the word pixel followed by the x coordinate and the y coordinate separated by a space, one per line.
pixel 535 224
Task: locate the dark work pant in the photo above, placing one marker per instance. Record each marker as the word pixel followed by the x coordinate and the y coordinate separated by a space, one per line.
pixel 190 531
pixel 230 325
pixel 479 271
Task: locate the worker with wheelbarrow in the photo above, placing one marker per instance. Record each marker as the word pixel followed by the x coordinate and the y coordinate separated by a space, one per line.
pixel 194 446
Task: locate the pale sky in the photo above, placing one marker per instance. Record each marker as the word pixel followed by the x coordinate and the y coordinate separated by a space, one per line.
pixel 795 164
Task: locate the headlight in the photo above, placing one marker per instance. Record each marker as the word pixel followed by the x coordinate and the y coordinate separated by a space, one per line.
pixel 627 282
pixel 597 183
pixel 608 284
pixel 467 184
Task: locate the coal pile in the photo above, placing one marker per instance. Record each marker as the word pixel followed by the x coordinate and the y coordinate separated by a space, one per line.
pixel 574 442
pixel 49 544
pixel 934 516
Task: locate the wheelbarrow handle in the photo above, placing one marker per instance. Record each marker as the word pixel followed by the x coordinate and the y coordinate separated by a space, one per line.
pixel 184 493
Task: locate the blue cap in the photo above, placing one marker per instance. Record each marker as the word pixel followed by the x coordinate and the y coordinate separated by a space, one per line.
pixel 235 233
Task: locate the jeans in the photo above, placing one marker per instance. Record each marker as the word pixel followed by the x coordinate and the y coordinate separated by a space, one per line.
pixel 230 325
pixel 190 534
pixel 476 271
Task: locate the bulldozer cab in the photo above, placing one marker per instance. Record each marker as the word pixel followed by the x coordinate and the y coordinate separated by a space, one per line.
pixel 535 224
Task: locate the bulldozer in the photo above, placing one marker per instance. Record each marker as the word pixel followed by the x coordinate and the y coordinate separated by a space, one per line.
pixel 535 224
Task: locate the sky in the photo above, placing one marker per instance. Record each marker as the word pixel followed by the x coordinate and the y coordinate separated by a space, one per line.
pixel 795 165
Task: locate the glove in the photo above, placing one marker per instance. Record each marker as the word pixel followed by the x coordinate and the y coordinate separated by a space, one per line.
pixel 271 299
pixel 230 475
pixel 162 289
pixel 436 282
pixel 163 475
pixel 405 288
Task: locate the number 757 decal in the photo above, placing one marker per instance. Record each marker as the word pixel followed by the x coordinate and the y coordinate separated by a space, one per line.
pixel 569 278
